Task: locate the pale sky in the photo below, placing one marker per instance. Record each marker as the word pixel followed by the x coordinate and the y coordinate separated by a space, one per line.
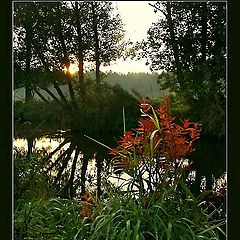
pixel 137 16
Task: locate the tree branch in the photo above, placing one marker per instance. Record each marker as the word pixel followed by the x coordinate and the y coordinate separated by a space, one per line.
pixel 157 8
pixel 54 97
pixel 41 96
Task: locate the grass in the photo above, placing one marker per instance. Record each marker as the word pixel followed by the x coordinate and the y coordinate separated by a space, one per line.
pixel 171 216
pixel 46 219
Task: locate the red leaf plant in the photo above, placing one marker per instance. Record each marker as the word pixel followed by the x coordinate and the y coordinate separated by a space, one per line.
pixel 156 143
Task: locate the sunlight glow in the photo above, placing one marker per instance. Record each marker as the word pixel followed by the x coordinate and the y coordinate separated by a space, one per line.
pixel 73 68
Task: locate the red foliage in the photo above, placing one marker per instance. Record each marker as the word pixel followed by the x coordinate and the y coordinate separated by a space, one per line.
pixel 169 139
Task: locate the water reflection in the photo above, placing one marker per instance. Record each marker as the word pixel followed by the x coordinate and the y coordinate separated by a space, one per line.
pixel 58 148
pixel 51 145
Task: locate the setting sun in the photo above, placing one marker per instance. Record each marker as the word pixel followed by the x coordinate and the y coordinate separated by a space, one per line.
pixel 73 68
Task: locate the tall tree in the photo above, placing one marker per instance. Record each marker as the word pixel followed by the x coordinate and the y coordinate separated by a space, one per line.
pixel 107 32
pixel 81 23
pixel 190 39
pixel 23 32
pixel 189 44
pixel 24 26
pixel 60 33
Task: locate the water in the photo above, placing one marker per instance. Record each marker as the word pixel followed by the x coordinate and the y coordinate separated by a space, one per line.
pixel 217 174
pixel 50 144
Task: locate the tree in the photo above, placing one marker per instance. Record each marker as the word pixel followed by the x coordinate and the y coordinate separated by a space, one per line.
pixel 24 25
pixel 82 41
pixel 189 45
pixel 23 58
pixel 55 34
pixel 107 32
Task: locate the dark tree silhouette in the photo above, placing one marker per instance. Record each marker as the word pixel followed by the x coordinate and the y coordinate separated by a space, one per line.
pixel 49 37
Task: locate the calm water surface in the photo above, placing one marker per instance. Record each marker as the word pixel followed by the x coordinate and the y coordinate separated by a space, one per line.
pixel 51 143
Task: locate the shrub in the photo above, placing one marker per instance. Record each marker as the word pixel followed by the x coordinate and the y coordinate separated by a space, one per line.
pixel 103 114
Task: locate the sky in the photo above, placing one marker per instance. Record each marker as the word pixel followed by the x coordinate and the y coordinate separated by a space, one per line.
pixel 137 16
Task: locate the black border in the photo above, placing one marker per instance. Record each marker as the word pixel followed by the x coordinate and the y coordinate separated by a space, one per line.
pixel 6 218
pixel 6 122
pixel 233 121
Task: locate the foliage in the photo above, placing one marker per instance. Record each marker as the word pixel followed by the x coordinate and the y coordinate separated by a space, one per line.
pixel 156 148
pixel 38 214
pixel 109 36
pixel 35 116
pixel 211 114
pixel 188 43
pixel 193 36
pixel 49 36
pixel 105 105
pixel 118 216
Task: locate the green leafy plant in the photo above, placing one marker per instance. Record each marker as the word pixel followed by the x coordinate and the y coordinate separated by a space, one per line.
pixel 30 178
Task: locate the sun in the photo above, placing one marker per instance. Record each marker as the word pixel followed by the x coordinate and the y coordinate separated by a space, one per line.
pixel 73 68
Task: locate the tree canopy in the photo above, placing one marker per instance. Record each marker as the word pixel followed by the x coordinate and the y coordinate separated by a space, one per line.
pixel 190 41
pixel 189 45
pixel 48 36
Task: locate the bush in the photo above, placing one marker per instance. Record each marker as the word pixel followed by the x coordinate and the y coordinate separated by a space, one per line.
pixel 34 116
pixel 104 110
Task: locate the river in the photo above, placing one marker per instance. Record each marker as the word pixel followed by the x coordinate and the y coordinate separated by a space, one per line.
pixel 209 165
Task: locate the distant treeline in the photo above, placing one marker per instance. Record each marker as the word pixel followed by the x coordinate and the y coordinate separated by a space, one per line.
pixel 143 83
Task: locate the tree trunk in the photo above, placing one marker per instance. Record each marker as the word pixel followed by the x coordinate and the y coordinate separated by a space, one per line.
pixel 96 40
pixel 59 33
pixel 28 43
pixel 174 43
pixel 80 57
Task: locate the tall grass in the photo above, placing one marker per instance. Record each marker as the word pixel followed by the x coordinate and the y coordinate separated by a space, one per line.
pixel 170 216
pixel 119 215
pixel 46 219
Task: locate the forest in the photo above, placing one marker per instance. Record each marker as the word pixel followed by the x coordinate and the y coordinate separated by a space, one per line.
pixel 139 155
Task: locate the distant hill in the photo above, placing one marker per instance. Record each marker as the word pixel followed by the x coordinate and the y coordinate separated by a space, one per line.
pixel 144 83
